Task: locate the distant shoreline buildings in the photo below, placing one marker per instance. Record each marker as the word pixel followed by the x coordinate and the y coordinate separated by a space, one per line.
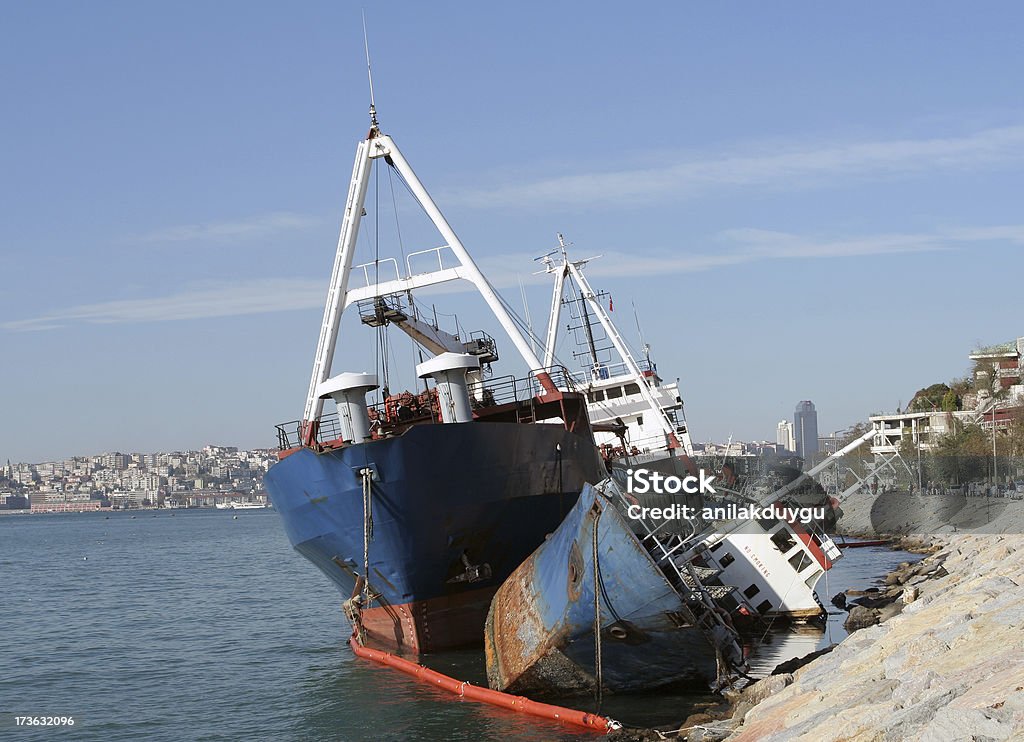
pixel 995 400
pixel 204 478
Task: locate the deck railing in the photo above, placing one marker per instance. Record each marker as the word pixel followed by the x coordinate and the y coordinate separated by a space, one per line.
pixel 489 393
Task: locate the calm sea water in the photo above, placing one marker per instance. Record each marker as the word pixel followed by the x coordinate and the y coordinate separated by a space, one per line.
pixel 199 625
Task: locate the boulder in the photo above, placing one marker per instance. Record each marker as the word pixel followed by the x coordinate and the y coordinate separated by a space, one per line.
pixel 768 686
pixel 860 618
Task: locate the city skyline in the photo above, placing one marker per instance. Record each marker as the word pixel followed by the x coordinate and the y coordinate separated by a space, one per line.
pixel 136 479
pixel 171 218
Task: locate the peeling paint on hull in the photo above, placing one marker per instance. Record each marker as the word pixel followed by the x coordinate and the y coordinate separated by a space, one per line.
pixel 539 636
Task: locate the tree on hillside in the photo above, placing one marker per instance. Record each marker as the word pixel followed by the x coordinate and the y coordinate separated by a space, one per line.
pixel 929 398
pixel 911 454
pixel 950 401
pixel 962 385
pixel 960 455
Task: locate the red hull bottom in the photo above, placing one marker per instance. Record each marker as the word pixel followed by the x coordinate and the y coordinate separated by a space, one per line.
pixel 433 625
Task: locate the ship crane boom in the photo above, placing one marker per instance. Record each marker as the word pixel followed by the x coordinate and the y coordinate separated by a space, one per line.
pixel 814 470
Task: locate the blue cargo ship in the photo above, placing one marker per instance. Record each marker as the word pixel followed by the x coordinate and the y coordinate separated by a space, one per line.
pixel 455 508
pixel 419 504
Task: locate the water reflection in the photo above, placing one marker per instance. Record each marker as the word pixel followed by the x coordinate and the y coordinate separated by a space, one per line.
pixel 779 645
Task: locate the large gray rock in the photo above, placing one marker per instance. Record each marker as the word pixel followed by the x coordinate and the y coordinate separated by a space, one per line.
pixel 860 618
pixel 766 687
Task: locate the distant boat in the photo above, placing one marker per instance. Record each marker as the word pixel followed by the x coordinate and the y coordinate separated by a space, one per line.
pixel 241 505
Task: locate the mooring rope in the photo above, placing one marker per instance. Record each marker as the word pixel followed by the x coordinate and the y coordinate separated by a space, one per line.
pixel 367 474
pixel 596 511
pixel 828 596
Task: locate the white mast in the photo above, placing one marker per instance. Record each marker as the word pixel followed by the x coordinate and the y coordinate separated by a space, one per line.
pixel 627 357
pixel 340 296
pixel 560 271
pixel 338 288
pixel 386 147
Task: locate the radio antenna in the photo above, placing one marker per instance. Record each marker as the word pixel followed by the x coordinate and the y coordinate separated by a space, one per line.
pixel 369 74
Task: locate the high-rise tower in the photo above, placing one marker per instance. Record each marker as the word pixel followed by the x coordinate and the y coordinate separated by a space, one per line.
pixel 784 435
pixel 805 429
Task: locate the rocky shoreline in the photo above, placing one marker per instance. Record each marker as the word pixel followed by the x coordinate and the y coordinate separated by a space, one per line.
pixel 948 665
pixel 937 654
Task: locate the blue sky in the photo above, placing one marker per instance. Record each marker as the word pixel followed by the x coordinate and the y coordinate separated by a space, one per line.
pixel 803 202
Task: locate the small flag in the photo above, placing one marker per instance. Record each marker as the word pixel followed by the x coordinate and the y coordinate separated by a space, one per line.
pixel 610 308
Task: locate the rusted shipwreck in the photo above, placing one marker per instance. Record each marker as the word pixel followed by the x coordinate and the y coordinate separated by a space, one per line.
pixel 658 625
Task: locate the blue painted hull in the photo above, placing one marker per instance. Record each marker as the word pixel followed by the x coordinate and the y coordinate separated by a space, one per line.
pixel 444 497
pixel 539 637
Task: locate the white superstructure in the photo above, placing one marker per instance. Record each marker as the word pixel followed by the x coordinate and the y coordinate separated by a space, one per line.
pixel 614 396
pixel 627 394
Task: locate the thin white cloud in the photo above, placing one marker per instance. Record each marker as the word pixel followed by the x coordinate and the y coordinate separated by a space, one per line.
pixel 739 246
pixel 758 244
pixel 1010 233
pixel 733 247
pixel 257 226
pixel 200 301
pixel 784 167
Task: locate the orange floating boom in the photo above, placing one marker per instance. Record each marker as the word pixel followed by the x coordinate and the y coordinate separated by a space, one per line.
pixel 486 695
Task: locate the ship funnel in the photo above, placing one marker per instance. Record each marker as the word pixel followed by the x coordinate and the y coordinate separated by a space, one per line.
pixel 348 391
pixel 449 373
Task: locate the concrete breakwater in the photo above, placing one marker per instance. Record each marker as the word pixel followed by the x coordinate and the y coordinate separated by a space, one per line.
pixel 948 666
pixel 939 654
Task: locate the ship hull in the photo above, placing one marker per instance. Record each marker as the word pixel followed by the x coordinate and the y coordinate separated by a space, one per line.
pixel 540 635
pixel 454 509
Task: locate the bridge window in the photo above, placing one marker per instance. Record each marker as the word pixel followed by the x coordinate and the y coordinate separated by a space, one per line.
pixel 783 541
pixel 632 389
pixel 800 561
pixel 814 576
pixel 726 560
pixel 752 590
pixel 597 396
pixel 615 392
